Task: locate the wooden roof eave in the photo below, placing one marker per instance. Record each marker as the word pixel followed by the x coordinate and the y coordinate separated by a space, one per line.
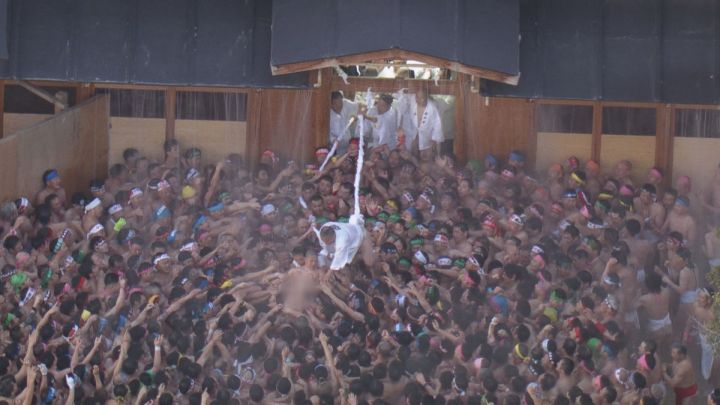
pixel 359 59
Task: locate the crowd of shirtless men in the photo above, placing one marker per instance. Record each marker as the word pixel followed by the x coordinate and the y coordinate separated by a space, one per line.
pixel 196 282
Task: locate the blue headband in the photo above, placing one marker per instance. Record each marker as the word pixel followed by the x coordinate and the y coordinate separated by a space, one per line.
pixel 201 220
pixel 162 212
pixel 517 157
pixel 216 207
pixel 492 159
pixel 53 174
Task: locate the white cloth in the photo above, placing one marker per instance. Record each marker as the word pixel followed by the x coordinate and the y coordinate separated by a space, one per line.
pixel 338 123
pixel 655 325
pixel 348 238
pixel 384 131
pixel 689 297
pixel 707 358
pixel 428 127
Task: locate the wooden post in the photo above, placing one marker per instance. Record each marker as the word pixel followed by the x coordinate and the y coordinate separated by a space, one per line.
pixel 170 109
pixel 84 91
pixel 596 140
pixel 532 135
pixel 2 108
pixel 320 114
pixel 459 148
pixel 665 133
pixel 252 135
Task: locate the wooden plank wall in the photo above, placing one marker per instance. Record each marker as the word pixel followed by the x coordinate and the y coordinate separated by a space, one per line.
pixel 75 142
pixel 14 122
pixel 145 134
pixel 291 123
pixel 495 125
pixel 216 139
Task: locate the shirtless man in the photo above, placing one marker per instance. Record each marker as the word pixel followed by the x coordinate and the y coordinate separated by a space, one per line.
pixel 555 181
pixel 680 220
pixel 682 377
pixel 655 177
pixel 682 281
pixel 642 252
pixel 652 212
pixel 702 315
pixel 656 304
pixel 684 186
pixel 628 284
pixel 53 185
pixel 710 200
pixel 623 170
pixel 93 210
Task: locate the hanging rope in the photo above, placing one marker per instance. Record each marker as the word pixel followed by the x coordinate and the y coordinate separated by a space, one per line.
pixel 335 145
pixel 370 103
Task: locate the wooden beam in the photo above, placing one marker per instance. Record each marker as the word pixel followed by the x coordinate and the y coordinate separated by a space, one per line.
pixel 596 140
pixel 320 113
pixel 2 107
pixel 669 113
pixel 551 101
pixel 459 149
pixel 532 136
pixel 43 94
pixel 252 135
pixel 358 59
pixel 202 89
pixel 170 110
pixel 390 85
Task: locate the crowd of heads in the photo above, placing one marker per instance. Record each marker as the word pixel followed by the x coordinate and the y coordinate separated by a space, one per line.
pixel 189 281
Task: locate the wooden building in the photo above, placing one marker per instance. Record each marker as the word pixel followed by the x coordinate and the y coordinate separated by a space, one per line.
pixel 595 79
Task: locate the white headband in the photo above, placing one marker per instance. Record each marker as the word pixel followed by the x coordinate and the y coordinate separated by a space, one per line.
pixel 92 205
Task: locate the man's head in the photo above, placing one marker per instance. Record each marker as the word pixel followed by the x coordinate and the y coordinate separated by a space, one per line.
pixel 327 234
pixel 336 101
pixel 130 156
pixel 679 352
pixel 623 169
pixel 421 96
pixel 384 103
pixel 51 179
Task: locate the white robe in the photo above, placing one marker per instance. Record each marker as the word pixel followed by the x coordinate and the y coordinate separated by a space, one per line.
pixel 384 131
pixel 338 123
pixel 348 238
pixel 430 127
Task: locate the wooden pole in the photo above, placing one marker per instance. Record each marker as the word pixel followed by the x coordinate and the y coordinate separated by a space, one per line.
pixel 596 141
pixel 252 135
pixel 459 144
pixel 2 108
pixel 170 109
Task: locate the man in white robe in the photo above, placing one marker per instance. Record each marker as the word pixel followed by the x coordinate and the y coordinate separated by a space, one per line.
pixel 341 112
pixel 421 122
pixel 381 123
pixel 341 241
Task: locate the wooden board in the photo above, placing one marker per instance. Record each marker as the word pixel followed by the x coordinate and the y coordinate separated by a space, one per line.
pixel 14 122
pixel 216 139
pixel 697 158
pixel 497 125
pixel 145 134
pixel 555 147
pixel 74 142
pixel 286 124
pixel 640 150
pixel 8 167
